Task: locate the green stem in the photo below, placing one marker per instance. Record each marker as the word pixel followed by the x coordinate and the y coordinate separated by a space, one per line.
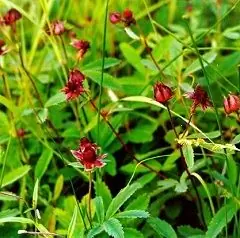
pixel 89 197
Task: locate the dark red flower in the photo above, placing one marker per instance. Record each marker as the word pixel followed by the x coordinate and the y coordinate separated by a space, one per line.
pixel 74 86
pixel 82 46
pixel 199 97
pixel 128 18
pixel 162 93
pixel 21 133
pixel 231 103
pixel 115 17
pixel 11 16
pixel 56 28
pixel 86 154
pixel 2 47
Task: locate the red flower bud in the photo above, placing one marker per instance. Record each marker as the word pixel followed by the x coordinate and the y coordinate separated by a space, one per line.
pixel 11 16
pixel 74 86
pixel 87 155
pixel 115 17
pixel 82 46
pixel 2 47
pixel 21 133
pixel 128 18
pixel 231 103
pixel 162 93
pixel 56 28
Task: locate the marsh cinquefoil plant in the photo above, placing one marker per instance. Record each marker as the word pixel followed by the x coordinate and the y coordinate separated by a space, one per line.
pixel 150 91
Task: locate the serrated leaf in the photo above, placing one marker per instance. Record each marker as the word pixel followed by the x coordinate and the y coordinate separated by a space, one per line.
pixel 14 175
pixel 103 191
pixel 72 223
pixel 95 231
pixel 100 211
pixel 141 202
pixel 42 115
pixel 162 228
pixel 121 198
pixel 188 155
pixel 132 214
pixel 220 220
pixel 188 231
pixel 114 228
pixel 132 233
pixel 43 163
pixel 56 99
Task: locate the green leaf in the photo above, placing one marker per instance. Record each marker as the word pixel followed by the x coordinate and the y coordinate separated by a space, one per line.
pixel 220 220
pixel 132 214
pixel 35 194
pixel 17 220
pixel 114 228
pixel 132 57
pixel 188 155
pixel 95 231
pixel 195 66
pixel 108 80
pixel 131 34
pixel 132 233
pixel 58 187
pixel 14 175
pixel 56 99
pixel 188 231
pixel 100 211
pixel 43 163
pixel 236 140
pixel 103 191
pixel 9 213
pixel 162 228
pixel 97 64
pixel 72 224
pixel 141 202
pixel 121 198
pixel 42 115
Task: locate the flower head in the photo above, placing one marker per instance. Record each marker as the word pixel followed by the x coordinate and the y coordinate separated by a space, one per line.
pixel 162 93
pixel 11 16
pixel 82 47
pixel 115 17
pixel 21 133
pixel 199 97
pixel 74 86
pixel 86 154
pixel 56 28
pixel 128 17
pixel 231 103
pixel 2 47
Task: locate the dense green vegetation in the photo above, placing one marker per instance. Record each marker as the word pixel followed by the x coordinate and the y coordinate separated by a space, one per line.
pixel 119 118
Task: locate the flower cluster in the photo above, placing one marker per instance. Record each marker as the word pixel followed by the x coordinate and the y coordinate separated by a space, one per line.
pixel 11 17
pixel 82 47
pixel 126 18
pixel 74 86
pixel 87 155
